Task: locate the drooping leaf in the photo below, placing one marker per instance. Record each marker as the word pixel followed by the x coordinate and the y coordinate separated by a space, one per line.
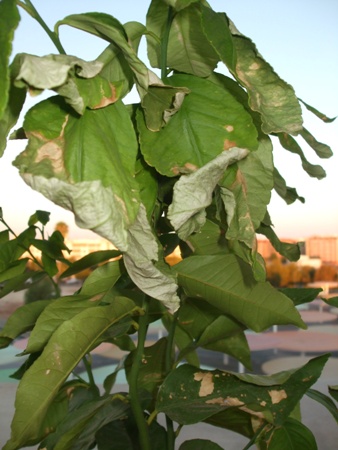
pixel 289 143
pixel 90 260
pixel 85 164
pixel 51 71
pixel 142 262
pixel 204 393
pixel 108 28
pixel 318 114
pixel 193 192
pixel 204 133
pixel 9 20
pixel 272 97
pixel 322 150
pixel 227 283
pixel 11 114
pixel 62 353
pixel 287 193
pixel 289 250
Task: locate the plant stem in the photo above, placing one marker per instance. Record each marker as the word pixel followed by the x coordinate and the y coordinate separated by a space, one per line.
pixel 89 371
pixel 28 6
pixel 171 436
pixel 133 381
pixel 164 42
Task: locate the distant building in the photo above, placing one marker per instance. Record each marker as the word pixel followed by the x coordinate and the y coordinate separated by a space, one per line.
pixel 306 261
pixel 323 247
pixel 266 249
pixel 82 247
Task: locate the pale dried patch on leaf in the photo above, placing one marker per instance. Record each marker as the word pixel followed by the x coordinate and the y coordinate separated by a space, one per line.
pixel 207 384
pixel 54 153
pixel 229 144
pixel 229 128
pixel 277 396
pixel 105 101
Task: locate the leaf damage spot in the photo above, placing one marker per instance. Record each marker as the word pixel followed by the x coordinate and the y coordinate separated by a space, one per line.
pixel 187 168
pixel 228 144
pixel 105 101
pixel 229 128
pixel 207 384
pixel 277 396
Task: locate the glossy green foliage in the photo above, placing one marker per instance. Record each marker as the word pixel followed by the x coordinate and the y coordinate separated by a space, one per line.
pixel 189 167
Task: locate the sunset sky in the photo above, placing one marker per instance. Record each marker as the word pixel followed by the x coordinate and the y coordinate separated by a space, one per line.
pixel 299 38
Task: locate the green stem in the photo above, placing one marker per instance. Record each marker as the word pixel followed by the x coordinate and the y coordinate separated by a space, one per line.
pixel 135 403
pixel 164 42
pixel 28 6
pixel 89 371
pixel 171 436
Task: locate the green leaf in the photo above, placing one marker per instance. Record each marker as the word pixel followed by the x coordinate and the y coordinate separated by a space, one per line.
pixel 89 261
pixel 322 150
pixel 188 49
pixel 146 178
pixel 211 329
pixel 204 133
pixel 205 393
pixel 85 164
pixel 39 216
pixel 14 269
pixel 228 284
pixel 23 319
pixel 318 114
pixel 272 97
pixel 9 20
pixel 199 444
pixel 78 428
pixel 102 279
pixel 285 192
pixel 54 315
pixel 20 282
pixel 334 391
pixel 153 368
pixel 325 401
pixel 299 296
pixel 289 250
pixel 293 435
pixel 289 143
pixel 63 352
pixel 12 250
pixel 216 28
pixel 193 193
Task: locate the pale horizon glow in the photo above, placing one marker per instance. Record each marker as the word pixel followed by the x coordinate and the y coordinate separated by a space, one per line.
pixel 299 39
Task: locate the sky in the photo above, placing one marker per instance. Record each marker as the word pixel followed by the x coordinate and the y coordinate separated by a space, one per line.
pixel 299 38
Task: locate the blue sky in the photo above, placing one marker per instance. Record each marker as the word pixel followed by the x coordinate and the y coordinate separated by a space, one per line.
pixel 299 38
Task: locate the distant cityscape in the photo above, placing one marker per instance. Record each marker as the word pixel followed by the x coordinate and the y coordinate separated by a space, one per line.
pixel 315 250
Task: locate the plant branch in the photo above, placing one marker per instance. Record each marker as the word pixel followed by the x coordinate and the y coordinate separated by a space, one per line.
pixel 133 380
pixel 164 42
pixel 28 6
